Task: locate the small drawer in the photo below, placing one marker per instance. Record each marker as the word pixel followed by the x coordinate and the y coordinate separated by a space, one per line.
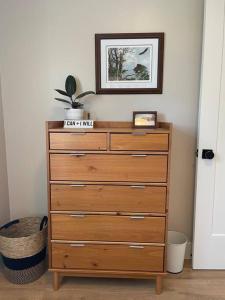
pixel 108 167
pixel 108 228
pixel 78 141
pixel 139 141
pixel 107 257
pixel 102 198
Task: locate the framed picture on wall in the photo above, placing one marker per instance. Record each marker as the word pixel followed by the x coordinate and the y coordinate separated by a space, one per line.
pixel 144 119
pixel 129 63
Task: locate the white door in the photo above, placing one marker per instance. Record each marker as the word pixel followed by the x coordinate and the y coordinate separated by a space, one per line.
pixel 209 224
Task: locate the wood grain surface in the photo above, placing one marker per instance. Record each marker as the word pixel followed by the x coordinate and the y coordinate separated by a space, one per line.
pixel 188 285
pixel 107 257
pixel 133 198
pixel 108 228
pixel 78 141
pixel 111 167
pixel 147 142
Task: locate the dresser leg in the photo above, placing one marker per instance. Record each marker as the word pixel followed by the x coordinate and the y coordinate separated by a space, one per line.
pixel 56 280
pixel 158 286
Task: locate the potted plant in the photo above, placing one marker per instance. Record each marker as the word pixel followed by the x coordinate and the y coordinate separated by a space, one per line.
pixel 75 111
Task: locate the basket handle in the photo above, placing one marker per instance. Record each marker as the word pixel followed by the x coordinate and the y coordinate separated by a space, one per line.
pixel 44 221
pixel 9 224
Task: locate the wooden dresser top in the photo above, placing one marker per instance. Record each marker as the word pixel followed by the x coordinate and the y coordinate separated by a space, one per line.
pixel 109 126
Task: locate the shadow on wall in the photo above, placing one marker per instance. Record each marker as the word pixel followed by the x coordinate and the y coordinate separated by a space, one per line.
pixel 182 180
pixel 40 201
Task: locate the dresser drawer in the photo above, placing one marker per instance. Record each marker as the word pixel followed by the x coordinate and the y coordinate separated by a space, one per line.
pixel 107 257
pixel 108 228
pixel 135 141
pixel 108 167
pixel 130 198
pixel 78 141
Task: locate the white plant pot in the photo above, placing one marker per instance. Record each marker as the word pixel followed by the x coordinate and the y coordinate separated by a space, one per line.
pixel 74 113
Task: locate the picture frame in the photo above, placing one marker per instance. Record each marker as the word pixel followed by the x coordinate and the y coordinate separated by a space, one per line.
pixel 144 119
pixel 129 63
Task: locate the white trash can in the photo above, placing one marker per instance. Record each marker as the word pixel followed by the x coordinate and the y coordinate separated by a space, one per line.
pixel 176 246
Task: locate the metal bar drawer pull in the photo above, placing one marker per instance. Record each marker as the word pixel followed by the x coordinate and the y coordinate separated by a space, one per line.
pixel 77 216
pixel 77 154
pixel 77 245
pixel 137 217
pixel 137 186
pixel 138 155
pixel 136 246
pixel 77 185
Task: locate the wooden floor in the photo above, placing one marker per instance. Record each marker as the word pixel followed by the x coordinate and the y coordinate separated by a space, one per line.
pixel 196 285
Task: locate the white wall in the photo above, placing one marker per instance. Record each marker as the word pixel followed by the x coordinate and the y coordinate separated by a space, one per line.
pixel 43 41
pixel 4 196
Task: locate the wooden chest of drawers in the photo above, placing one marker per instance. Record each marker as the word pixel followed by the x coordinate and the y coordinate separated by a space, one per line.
pixel 108 200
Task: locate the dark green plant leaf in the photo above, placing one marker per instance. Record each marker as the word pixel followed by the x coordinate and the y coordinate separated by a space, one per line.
pixel 62 92
pixel 63 100
pixel 85 94
pixel 70 85
pixel 77 104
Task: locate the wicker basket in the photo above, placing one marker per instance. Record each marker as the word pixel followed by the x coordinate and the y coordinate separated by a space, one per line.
pixel 27 275
pixel 23 249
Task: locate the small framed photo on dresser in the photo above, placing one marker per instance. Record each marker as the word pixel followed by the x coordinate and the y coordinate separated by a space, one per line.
pixel 144 119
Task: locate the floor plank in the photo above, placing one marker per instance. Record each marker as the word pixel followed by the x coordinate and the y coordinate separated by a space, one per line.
pixel 194 285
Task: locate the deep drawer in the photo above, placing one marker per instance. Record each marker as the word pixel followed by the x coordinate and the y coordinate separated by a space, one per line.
pixel 108 228
pixel 107 257
pixel 111 167
pixel 135 141
pixel 78 141
pixel 127 198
